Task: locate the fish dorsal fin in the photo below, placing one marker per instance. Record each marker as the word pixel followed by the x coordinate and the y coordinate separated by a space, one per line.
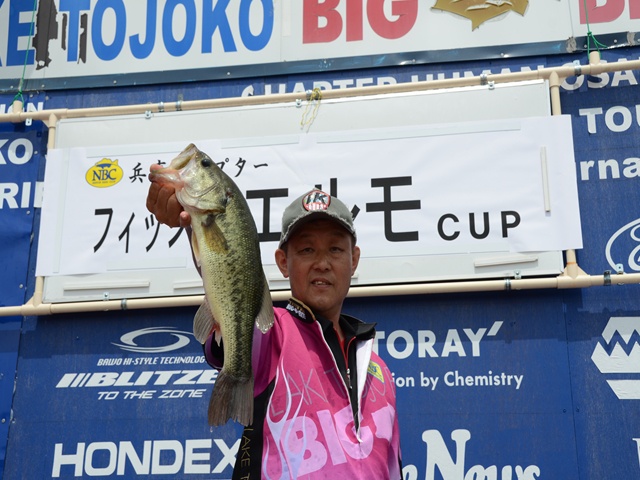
pixel 213 235
pixel 264 320
pixel 204 322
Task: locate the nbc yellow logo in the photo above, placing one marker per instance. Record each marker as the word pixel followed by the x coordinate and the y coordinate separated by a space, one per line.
pixel 105 173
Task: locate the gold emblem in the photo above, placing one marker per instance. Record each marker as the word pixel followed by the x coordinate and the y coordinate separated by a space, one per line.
pixel 479 11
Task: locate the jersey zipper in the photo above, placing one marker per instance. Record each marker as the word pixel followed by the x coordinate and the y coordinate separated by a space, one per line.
pixel 346 380
pixel 345 353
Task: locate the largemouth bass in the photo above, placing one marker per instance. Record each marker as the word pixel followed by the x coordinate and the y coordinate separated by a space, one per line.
pixel 225 246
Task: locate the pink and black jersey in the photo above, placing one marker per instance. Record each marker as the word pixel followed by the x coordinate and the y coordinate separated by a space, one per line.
pixel 321 410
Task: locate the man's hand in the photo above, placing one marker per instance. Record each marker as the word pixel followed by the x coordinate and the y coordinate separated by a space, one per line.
pixel 162 202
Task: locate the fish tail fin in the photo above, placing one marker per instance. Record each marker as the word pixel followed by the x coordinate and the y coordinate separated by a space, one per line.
pixel 232 398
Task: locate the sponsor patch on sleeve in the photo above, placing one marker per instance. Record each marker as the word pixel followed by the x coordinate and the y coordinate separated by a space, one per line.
pixel 375 370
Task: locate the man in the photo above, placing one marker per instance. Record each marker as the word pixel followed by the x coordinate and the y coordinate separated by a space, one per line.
pixel 324 401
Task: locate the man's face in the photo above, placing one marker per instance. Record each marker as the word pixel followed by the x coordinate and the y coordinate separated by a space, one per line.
pixel 319 261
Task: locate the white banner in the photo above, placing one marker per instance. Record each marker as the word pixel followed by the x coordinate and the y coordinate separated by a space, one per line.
pixel 99 38
pixel 494 186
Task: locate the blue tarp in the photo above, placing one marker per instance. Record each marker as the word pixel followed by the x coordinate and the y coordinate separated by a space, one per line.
pixel 507 385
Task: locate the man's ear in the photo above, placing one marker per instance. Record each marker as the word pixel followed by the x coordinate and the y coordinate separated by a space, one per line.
pixel 281 261
pixel 355 259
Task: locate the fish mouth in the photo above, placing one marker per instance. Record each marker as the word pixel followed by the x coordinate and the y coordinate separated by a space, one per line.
pixel 184 157
pixel 182 173
pixel 173 172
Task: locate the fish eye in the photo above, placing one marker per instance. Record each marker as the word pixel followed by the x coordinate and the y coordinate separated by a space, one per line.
pixel 206 162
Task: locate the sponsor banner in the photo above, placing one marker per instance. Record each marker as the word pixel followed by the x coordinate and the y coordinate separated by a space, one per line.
pixel 606 129
pixel 261 84
pixel 422 73
pixel 482 382
pixel 567 349
pixel 605 343
pixel 118 396
pixel 123 395
pixel 87 43
pixel 514 191
pixel 20 157
pixel 603 324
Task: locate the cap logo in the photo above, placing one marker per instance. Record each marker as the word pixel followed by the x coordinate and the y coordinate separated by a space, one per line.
pixel 316 200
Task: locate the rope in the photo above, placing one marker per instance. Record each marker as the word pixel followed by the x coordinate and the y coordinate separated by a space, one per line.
pixel 590 37
pixel 309 116
pixel 19 95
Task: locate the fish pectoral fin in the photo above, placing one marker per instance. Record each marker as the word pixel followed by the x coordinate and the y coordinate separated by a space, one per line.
pixel 264 320
pixel 214 236
pixel 204 323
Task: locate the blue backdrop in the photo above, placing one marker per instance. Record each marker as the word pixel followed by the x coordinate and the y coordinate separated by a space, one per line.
pixel 20 155
pixel 511 385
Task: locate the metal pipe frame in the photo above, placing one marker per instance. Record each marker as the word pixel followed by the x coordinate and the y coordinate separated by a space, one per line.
pixel 572 277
